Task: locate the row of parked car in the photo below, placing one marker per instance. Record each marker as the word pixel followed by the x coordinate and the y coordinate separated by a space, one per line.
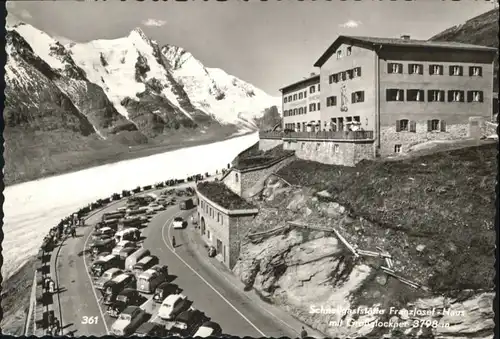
pixel 124 272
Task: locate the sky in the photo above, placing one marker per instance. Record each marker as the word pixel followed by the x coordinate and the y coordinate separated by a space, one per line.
pixel 269 44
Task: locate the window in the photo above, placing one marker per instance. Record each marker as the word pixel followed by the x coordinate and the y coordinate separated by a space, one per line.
pixel 331 101
pixel 357 72
pixel 285 99
pixel 456 70
pixel 343 76
pixel 336 148
pixel 395 94
pixel 318 107
pixel 349 51
pixel 397 148
pixel 436 125
pixel 339 54
pixel 236 177
pixel 455 96
pixel 357 119
pixel 404 125
pixel 318 87
pixel 350 74
pixel 305 94
pixel 435 95
pixel 358 96
pixel 340 124
pixel 300 95
pixel 394 68
pixel 294 111
pixel 312 89
pixel 312 107
pixel 475 71
pixel 333 78
pixel 298 127
pixel 218 217
pixel 208 234
pixel 415 95
pixel 475 96
pixel 415 69
pixel 435 69
pixel 305 109
pixel 289 98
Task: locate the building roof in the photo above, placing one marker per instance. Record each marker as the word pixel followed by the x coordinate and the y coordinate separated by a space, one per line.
pixel 371 42
pixel 221 195
pixel 314 77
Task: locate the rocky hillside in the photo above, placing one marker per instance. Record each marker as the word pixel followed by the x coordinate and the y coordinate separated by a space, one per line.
pixel 433 215
pixel 78 105
pixel 481 30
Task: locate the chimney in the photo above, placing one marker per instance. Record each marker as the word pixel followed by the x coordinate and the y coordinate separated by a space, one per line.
pixel 405 37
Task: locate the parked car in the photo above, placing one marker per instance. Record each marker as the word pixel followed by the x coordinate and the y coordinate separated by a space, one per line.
pixel 123 244
pixel 102 245
pixel 154 207
pixel 124 253
pixel 127 297
pixel 208 329
pixel 164 290
pixel 163 269
pixel 178 222
pixel 107 276
pixel 187 204
pixel 189 321
pixel 112 288
pixel 172 306
pixel 128 321
pixel 151 329
pixel 103 264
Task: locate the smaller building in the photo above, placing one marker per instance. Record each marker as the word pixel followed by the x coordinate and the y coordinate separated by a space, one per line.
pixel 301 105
pixel 224 218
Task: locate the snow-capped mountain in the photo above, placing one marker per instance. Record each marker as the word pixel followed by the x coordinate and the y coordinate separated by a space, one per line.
pixel 216 92
pixel 76 98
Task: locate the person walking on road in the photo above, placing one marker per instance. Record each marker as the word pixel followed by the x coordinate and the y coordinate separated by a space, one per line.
pixel 303 333
pixel 57 326
pixel 173 241
pixel 73 232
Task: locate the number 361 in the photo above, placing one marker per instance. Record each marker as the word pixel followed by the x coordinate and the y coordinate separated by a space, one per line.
pixel 89 320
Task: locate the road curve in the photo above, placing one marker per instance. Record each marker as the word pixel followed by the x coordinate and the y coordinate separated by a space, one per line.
pixel 209 291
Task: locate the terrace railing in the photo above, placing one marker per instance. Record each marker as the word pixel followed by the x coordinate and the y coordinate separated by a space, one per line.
pixel 349 135
pixel 271 135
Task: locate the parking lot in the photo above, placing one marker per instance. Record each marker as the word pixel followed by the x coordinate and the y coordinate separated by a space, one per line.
pixel 83 310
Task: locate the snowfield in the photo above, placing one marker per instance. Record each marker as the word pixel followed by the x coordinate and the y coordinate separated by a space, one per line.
pixel 32 208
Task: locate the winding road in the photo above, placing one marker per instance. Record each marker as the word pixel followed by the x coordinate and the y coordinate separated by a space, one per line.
pixel 200 281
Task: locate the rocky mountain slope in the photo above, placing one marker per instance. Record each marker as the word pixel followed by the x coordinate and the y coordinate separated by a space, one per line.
pixel 65 104
pixel 432 214
pixel 480 30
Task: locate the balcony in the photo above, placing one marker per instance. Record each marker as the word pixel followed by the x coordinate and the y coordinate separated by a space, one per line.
pixel 330 135
pixel 271 135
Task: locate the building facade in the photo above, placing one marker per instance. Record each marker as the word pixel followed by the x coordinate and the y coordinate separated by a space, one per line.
pixel 405 91
pixel 381 96
pixel 223 228
pixel 301 105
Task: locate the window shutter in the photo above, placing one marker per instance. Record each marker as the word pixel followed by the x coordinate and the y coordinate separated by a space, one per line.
pixel 480 71
pixel 413 126
pixel 398 125
pixel 352 98
pixel 410 69
pixel 362 95
pixel 389 67
pixel 402 95
pixel 442 95
pixel 387 95
pixel 462 96
pixel 450 96
pixel 359 71
pixel 431 69
pixel 470 96
pixel 450 70
pixel 422 94
pixel 429 125
pixel 429 95
pixel 481 96
pixel 443 125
